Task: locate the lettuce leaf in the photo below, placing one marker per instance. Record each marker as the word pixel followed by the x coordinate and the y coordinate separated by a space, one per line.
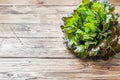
pixel 92 30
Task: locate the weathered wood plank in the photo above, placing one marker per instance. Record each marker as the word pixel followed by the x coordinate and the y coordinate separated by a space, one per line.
pixel 30 30
pixel 57 69
pixel 39 34
pixel 34 47
pixel 30 27
pixel 42 19
pixel 35 9
pixel 35 53
pixel 42 15
pixel 30 18
pixel 40 2
pixel 47 2
pixel 29 34
pixel 33 14
pixel 32 43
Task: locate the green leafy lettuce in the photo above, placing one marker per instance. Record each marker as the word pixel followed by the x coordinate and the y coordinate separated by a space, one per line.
pixel 92 30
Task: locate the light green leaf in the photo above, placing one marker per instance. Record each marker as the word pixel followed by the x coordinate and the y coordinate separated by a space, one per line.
pixel 86 1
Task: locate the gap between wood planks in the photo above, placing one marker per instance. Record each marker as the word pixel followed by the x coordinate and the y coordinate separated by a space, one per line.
pixel 39 57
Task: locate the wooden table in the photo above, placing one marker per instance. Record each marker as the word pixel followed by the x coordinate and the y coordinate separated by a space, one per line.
pixel 31 44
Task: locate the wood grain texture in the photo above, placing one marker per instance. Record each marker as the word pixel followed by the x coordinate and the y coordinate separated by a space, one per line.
pixel 36 14
pixel 26 69
pixel 47 2
pixel 34 47
pixel 27 30
pixel 31 44
pixel 40 2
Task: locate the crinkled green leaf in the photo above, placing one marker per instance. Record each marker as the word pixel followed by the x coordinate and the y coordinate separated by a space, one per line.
pixel 92 30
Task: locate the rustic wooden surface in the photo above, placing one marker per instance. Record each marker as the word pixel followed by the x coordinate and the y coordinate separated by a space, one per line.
pixel 31 44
